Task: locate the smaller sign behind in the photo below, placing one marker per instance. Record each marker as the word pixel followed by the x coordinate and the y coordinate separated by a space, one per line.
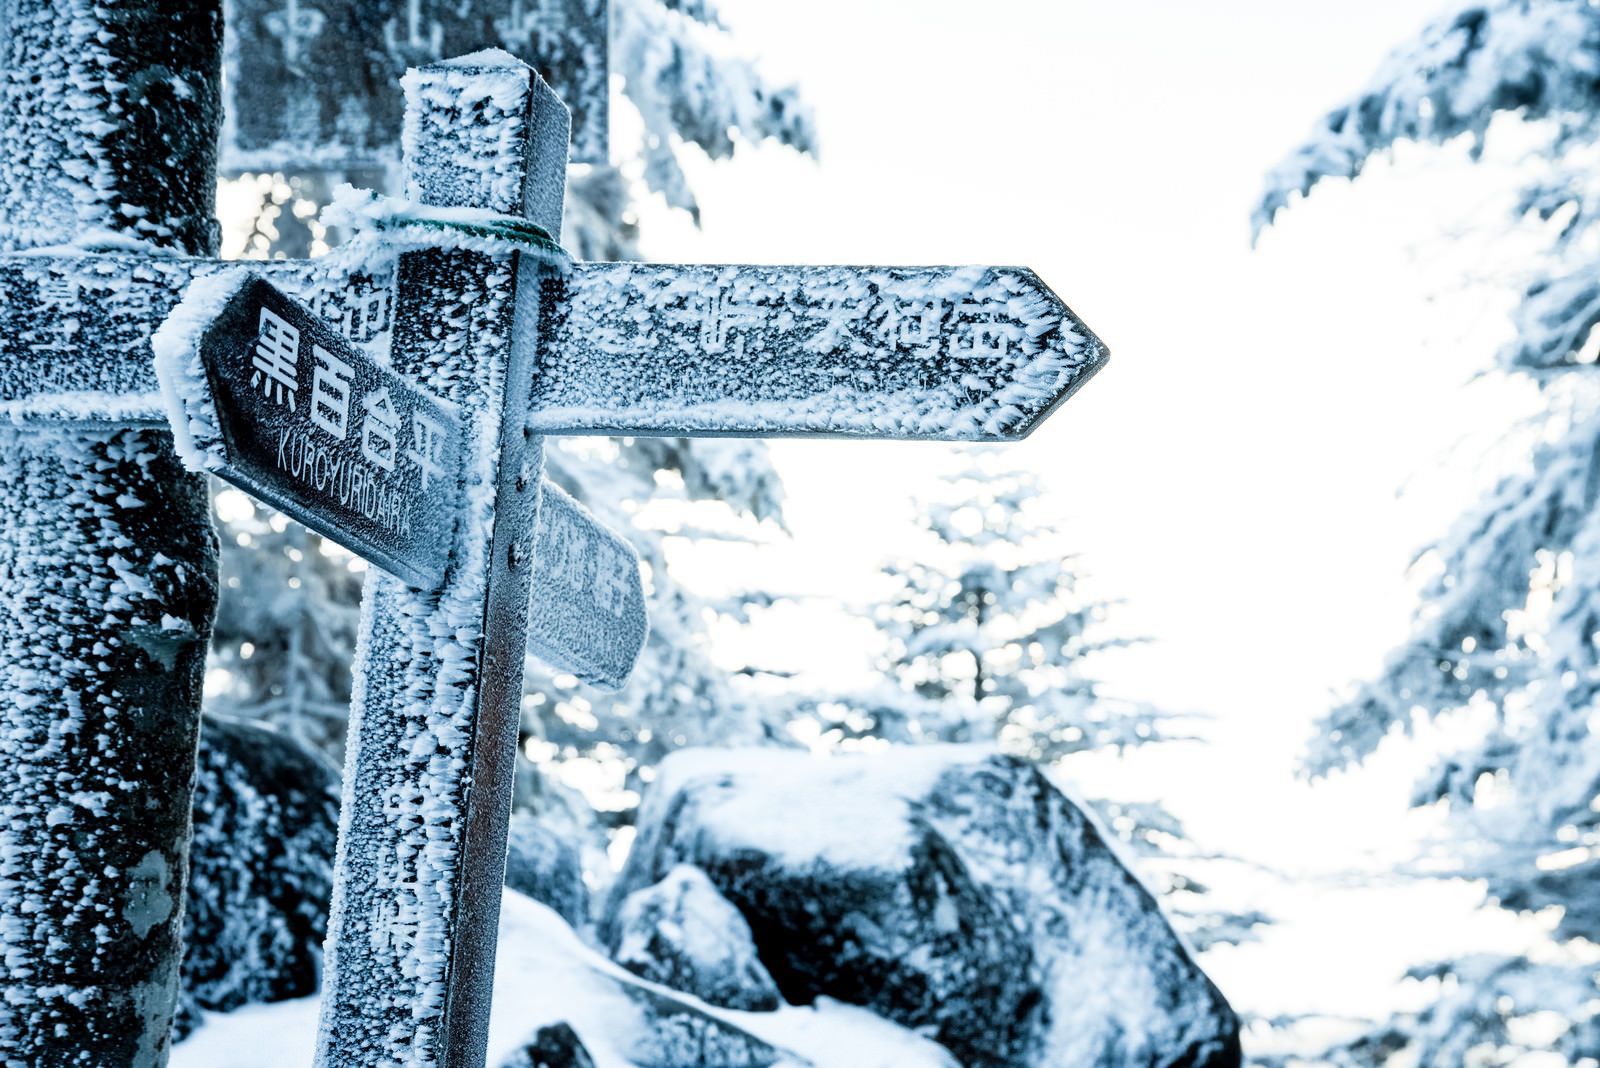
pixel 316 428
pixel 316 83
pixel 588 615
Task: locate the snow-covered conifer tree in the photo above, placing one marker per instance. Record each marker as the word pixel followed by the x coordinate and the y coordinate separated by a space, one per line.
pixel 988 631
pixel 991 638
pixel 286 624
pixel 1508 625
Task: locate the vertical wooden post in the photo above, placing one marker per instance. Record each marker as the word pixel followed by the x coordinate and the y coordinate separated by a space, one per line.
pixel 109 115
pixel 433 725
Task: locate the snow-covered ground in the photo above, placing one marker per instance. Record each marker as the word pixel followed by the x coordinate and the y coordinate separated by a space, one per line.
pixel 545 974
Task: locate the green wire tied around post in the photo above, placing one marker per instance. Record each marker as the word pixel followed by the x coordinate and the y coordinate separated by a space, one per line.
pixel 408 223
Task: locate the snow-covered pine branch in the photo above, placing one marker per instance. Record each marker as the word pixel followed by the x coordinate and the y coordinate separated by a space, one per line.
pixel 1507 631
pixel 1537 58
pixel 690 86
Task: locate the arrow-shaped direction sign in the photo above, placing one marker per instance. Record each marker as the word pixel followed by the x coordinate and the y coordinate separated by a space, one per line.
pixel 953 353
pixel 588 614
pixel 276 402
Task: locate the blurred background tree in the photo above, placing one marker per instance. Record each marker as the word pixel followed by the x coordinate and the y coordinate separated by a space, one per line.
pixel 990 638
pixel 1505 640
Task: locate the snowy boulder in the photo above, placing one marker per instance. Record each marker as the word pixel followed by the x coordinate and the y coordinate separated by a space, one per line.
pixel 547 978
pixel 556 1046
pixel 953 891
pixel 679 1035
pixel 546 866
pixel 266 817
pixel 682 933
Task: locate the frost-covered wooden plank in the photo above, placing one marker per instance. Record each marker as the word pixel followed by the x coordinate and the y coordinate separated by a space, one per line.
pixel 960 353
pixel 56 309
pixel 923 352
pixel 75 333
pixel 265 393
pixel 588 615
pixel 438 675
pixel 316 83
pixel 108 122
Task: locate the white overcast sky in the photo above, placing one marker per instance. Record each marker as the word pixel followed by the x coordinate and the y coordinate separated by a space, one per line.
pixel 1233 472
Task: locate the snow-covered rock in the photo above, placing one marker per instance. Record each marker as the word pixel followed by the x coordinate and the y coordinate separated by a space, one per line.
pixel 677 1034
pixel 265 820
pixel 954 891
pixel 682 933
pixel 556 1046
pixel 548 867
pixel 546 975
pixel 615 1019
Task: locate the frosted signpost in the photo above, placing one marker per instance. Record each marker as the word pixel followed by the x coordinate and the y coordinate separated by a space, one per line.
pixel 428 467
pixel 521 343
pixel 467 310
pixel 110 124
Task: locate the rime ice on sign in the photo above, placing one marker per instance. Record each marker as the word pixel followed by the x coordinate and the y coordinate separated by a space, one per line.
pixel 427 787
pixel 315 427
pixel 973 353
pixel 963 353
pixel 588 616
pixel 315 83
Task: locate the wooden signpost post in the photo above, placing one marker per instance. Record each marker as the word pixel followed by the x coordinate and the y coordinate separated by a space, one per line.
pixel 513 342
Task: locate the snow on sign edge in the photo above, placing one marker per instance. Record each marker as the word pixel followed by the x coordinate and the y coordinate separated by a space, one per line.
pixel 185 392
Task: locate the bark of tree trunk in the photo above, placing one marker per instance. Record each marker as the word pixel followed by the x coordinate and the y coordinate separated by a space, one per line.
pixel 109 588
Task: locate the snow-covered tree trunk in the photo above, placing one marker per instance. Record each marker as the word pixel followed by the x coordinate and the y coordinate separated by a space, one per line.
pixel 104 616
pixel 109 115
pixel 438 675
